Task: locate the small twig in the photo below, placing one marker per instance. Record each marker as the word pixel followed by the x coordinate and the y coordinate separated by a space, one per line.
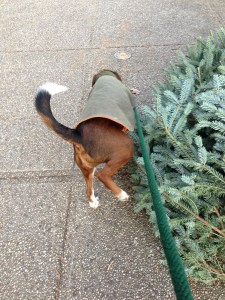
pixel 110 265
pixel 219 217
pixel 135 91
pixel 199 75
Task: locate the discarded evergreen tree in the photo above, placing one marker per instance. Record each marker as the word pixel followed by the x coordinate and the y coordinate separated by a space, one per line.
pixel 185 131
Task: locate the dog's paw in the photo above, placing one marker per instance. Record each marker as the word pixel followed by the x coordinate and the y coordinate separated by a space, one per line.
pixel 94 203
pixel 123 196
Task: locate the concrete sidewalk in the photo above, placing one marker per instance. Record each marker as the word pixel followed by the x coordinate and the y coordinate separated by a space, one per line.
pixel 53 245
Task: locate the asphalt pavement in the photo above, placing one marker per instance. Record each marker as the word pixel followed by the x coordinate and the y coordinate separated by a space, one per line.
pixel 53 245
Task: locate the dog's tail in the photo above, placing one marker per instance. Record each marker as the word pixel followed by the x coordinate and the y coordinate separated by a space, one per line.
pixel 42 103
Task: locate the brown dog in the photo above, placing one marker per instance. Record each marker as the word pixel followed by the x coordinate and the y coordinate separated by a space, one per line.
pixel 99 136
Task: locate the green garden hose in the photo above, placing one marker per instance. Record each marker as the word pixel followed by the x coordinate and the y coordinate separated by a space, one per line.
pixel 179 279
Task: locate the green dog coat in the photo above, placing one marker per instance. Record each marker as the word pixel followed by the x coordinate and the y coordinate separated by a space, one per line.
pixel 110 99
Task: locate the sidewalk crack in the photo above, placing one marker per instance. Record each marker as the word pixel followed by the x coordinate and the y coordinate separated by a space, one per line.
pixel 61 259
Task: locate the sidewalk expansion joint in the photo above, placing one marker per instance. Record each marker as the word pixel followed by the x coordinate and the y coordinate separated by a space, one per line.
pixel 90 48
pixel 44 176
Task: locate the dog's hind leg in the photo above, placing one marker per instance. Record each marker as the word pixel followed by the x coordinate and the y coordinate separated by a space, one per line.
pixel 81 158
pixel 105 176
pixel 89 178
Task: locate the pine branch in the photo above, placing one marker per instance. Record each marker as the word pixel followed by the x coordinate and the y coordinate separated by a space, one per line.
pixel 185 131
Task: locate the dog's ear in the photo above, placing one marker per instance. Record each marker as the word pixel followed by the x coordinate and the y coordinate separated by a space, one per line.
pixel 117 75
pixel 94 79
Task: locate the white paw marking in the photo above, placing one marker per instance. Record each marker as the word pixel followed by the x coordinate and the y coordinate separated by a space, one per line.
pixel 94 203
pixel 123 196
pixel 52 88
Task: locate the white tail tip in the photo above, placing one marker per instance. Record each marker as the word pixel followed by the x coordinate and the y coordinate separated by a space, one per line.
pixel 52 88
